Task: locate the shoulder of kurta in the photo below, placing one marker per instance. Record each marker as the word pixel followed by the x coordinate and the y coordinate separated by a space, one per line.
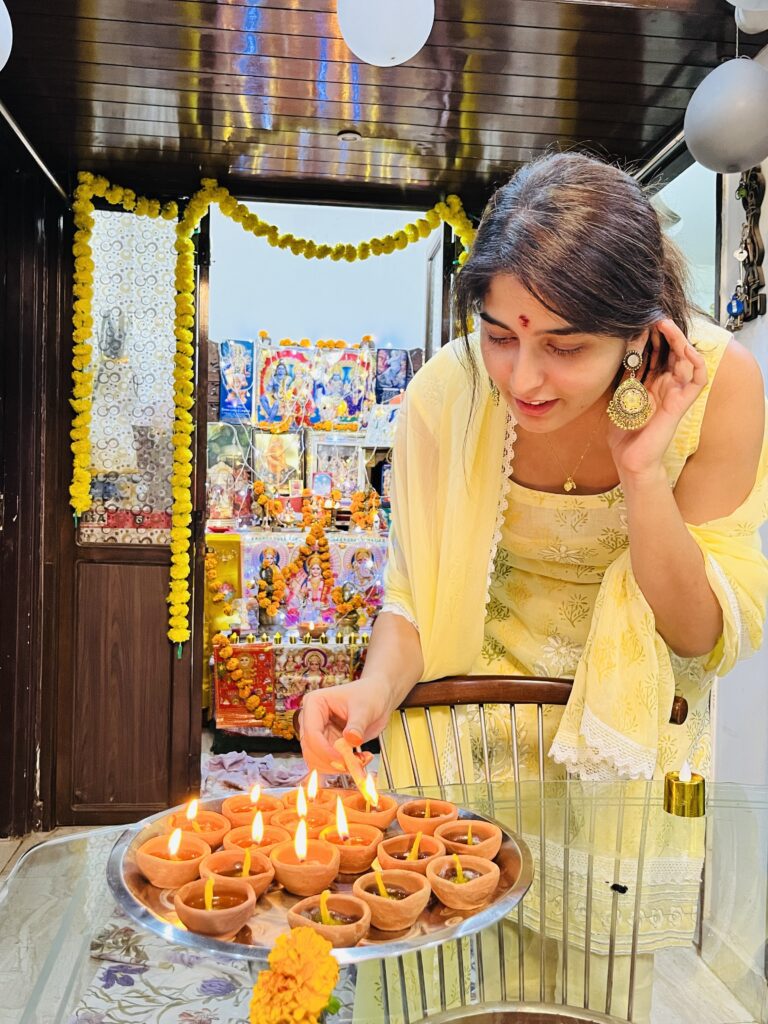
pixel 708 337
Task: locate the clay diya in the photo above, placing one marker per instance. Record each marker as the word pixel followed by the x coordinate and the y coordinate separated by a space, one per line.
pixel 257 836
pixel 317 818
pixel 305 866
pixel 425 815
pixel 171 861
pixel 327 797
pixel 397 852
pixel 253 867
pixel 231 902
pixel 299 798
pixel 476 838
pixel 361 811
pixel 209 825
pixel 395 898
pixel 357 843
pixel 340 918
pixel 241 810
pixel 463 883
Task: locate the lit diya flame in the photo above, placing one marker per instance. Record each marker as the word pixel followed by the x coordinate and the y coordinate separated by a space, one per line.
pixel 371 796
pixel 257 828
pixel 684 775
pixel 342 827
pixel 301 803
pixel 312 785
pixel 300 840
pixel 208 893
pixel 174 842
pixel 192 814
pixel 255 794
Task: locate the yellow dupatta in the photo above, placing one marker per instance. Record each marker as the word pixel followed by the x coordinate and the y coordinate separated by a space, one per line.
pixel 450 474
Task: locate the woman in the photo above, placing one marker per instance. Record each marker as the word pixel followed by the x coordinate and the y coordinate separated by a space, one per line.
pixel 507 457
pixel 552 517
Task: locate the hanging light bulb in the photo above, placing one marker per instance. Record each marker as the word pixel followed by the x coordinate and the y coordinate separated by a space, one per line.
pixel 388 33
pixel 6 35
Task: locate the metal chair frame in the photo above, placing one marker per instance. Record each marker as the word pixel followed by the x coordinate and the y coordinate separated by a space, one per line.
pixel 481 691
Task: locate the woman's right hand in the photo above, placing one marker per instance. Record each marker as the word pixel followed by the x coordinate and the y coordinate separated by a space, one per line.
pixel 358 711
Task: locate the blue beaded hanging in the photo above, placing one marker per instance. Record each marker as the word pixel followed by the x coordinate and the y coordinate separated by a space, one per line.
pixel 735 307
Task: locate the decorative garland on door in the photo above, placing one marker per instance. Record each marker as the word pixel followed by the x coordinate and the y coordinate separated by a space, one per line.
pixel 89 186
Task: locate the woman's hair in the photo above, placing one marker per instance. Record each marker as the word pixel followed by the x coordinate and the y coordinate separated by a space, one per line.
pixel 583 238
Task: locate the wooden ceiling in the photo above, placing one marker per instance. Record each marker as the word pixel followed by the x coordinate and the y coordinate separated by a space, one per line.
pixel 161 92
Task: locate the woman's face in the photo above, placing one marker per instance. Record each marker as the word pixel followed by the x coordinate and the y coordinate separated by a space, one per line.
pixel 546 372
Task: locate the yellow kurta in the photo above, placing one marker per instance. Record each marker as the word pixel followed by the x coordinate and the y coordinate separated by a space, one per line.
pixel 500 578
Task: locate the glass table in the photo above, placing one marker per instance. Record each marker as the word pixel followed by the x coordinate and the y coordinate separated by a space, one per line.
pixel 634 913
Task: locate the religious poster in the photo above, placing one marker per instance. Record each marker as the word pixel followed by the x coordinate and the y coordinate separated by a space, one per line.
pixel 236 370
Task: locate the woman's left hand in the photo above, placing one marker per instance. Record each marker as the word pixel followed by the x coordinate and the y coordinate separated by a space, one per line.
pixel 639 453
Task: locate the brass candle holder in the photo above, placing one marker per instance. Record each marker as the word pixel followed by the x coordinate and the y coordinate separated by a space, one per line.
pixel 684 793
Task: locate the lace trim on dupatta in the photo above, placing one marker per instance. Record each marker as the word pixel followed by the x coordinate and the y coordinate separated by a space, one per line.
pixel 745 644
pixel 510 436
pixel 607 754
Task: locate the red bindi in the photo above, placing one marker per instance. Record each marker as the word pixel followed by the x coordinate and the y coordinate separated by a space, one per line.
pixel 524 320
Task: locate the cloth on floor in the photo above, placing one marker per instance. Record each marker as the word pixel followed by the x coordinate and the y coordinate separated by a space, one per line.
pixel 238 772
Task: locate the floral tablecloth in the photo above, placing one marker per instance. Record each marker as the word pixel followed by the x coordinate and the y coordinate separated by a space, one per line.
pixel 141 979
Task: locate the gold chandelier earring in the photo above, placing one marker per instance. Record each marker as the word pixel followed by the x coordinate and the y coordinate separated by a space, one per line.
pixel 630 408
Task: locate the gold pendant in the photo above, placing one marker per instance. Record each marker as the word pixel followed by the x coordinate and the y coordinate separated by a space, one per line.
pixel 569 485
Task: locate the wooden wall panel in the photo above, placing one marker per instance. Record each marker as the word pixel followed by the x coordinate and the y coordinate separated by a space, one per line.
pixel 35 275
pixel 122 701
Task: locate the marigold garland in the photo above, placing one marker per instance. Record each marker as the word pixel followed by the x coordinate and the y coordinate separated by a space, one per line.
pixel 315 546
pixel 451 212
pixel 365 509
pixel 300 981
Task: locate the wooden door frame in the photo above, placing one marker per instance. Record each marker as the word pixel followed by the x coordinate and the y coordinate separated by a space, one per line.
pixel 185 673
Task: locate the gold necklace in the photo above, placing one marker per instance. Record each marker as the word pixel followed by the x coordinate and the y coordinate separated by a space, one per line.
pixel 570 483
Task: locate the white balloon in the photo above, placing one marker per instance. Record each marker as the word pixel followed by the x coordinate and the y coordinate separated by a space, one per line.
pixel 385 32
pixel 6 35
pixel 725 125
pixel 750 5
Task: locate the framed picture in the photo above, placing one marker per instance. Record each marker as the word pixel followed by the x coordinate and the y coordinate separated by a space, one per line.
pixel 299 670
pixel 285 387
pixel 229 479
pixel 343 386
pixel 381 426
pixel 340 458
pixel 236 380
pixel 391 372
pixel 278 459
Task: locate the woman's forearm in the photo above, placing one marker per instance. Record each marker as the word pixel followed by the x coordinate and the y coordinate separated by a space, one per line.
pixel 394 656
pixel 669 568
